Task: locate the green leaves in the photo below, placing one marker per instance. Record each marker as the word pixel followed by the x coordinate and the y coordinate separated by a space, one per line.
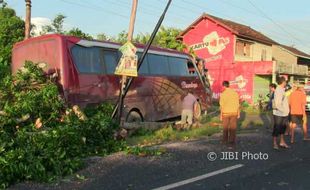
pixel 166 38
pixel 79 33
pixel 30 93
pixel 11 31
pixel 56 26
pixel 57 147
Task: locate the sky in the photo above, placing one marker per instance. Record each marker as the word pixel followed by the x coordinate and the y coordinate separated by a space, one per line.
pixel 285 21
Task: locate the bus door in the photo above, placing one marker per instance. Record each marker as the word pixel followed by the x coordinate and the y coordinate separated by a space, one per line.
pixel 203 78
pixel 202 74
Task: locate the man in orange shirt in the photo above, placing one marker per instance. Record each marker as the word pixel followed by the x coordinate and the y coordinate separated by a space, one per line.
pixel 297 103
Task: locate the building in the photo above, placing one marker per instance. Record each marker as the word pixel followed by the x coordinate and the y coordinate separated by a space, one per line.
pixel 291 62
pixel 236 53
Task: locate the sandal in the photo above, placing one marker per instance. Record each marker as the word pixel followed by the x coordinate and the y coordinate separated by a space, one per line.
pixel 275 147
pixel 284 146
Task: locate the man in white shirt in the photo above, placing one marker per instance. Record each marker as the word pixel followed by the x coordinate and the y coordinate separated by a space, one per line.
pixel 280 113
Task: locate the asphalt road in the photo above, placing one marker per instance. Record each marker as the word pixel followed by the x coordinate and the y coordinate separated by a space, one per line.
pixel 187 166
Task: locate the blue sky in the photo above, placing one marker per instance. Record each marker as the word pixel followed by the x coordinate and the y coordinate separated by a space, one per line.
pixel 285 21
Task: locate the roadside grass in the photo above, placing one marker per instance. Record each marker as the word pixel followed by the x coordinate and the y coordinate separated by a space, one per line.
pixel 253 110
pixel 144 151
pixel 208 125
pixel 168 134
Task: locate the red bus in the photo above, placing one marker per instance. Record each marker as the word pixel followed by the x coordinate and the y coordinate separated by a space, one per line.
pixel 85 70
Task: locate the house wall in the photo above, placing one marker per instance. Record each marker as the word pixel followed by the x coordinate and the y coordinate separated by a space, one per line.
pixel 212 42
pixel 217 46
pixel 288 63
pixel 256 53
pixel 282 55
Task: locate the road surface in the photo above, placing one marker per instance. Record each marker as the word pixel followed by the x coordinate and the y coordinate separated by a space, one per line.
pixel 186 165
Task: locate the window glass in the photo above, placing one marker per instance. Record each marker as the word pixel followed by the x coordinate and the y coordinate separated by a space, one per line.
pixel 110 60
pixel 247 49
pixel 144 69
pixel 178 66
pixel 239 48
pixel 158 64
pixel 88 60
pixel 243 48
pixel 264 55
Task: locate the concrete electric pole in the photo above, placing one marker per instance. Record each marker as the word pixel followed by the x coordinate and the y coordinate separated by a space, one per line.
pixel 28 19
pixel 132 19
pixel 129 39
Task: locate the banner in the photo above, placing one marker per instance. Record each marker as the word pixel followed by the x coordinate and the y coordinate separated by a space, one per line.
pixel 127 65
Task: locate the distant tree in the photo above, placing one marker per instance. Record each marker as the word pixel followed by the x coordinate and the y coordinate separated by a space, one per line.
pixel 121 37
pixel 102 37
pixel 56 26
pixel 166 38
pixel 78 33
pixel 58 23
pixel 47 29
pixel 12 30
pixel 142 38
pixel 3 3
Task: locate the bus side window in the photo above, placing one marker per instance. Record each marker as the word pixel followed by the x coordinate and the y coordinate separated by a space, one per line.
pixel 144 69
pixel 87 60
pixel 110 61
pixel 178 66
pixel 158 64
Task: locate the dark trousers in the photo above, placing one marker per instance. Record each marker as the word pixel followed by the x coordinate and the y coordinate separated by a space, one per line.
pixel 279 126
pixel 229 129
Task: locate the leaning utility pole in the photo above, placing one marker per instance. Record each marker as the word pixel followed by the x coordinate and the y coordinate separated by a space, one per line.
pixel 129 39
pixel 147 47
pixel 28 19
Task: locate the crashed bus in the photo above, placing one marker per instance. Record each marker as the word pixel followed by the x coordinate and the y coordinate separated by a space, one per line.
pixel 85 74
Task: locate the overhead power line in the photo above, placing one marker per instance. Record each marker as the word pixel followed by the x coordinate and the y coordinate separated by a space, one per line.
pixel 284 34
pixel 239 19
pixel 274 22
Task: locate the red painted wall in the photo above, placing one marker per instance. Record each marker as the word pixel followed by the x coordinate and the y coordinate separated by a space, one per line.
pixel 215 44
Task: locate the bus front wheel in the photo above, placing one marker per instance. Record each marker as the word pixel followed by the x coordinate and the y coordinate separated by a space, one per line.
pixel 134 116
pixel 197 110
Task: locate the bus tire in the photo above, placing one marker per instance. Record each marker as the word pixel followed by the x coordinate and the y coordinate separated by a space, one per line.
pixel 134 116
pixel 197 111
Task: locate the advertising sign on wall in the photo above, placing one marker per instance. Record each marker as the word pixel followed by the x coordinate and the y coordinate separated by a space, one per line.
pixel 215 44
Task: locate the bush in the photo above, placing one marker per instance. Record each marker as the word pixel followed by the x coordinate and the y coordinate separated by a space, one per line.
pixel 41 138
pixel 245 104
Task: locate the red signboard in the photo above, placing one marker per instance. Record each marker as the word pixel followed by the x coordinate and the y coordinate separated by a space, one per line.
pixel 212 42
pixel 215 44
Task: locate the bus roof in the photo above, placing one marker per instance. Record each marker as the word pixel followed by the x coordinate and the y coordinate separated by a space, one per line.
pixel 107 44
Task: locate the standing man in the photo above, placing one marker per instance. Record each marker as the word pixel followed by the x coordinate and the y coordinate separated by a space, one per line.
pixel 230 113
pixel 188 109
pixel 297 103
pixel 280 113
pixel 272 88
pixel 288 92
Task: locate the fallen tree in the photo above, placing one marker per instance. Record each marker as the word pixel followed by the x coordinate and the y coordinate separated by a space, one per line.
pixel 41 137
